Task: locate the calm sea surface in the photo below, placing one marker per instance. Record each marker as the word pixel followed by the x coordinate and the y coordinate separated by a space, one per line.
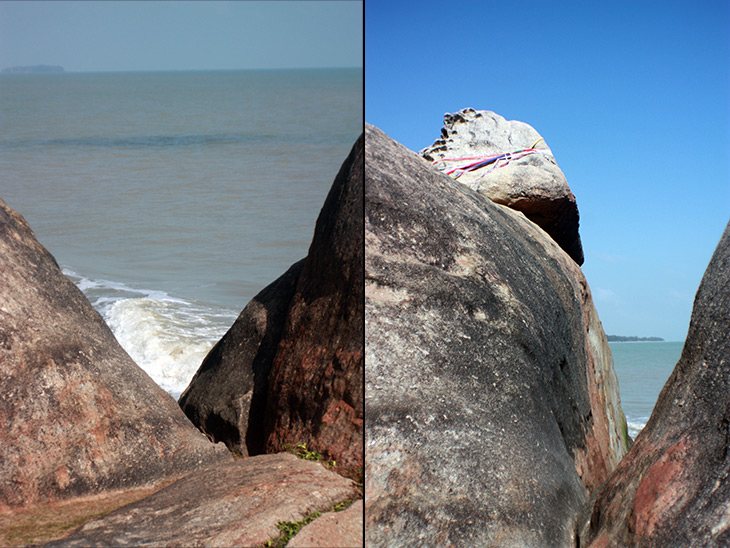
pixel 642 369
pixel 171 198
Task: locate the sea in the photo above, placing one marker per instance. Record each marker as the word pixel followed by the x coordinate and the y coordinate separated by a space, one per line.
pixel 172 198
pixel 642 369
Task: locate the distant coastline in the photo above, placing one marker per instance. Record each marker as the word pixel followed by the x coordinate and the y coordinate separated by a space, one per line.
pixel 34 69
pixel 621 338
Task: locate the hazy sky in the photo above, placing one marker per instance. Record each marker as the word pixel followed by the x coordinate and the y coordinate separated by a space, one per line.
pixel 633 98
pixel 134 35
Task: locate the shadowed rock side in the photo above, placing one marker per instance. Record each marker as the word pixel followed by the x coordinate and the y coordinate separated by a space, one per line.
pixel 490 392
pixel 227 396
pixel 533 184
pixel 315 389
pixel 78 415
pixel 673 487
pixel 290 369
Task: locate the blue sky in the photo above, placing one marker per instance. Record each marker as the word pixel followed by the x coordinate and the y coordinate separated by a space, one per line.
pixel 632 97
pixel 142 36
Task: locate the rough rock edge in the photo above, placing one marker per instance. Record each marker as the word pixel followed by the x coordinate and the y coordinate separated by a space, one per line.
pixel 241 362
pixel 315 387
pixel 70 359
pixel 555 212
pixel 672 487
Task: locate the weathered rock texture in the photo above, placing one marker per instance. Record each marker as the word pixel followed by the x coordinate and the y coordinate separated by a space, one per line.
pixel 673 487
pixel 236 504
pixel 534 185
pixel 333 530
pixel 316 385
pixel 491 402
pixel 77 414
pixel 227 396
pixel 290 369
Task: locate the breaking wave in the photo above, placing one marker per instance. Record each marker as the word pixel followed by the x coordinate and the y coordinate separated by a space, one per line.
pixel 166 336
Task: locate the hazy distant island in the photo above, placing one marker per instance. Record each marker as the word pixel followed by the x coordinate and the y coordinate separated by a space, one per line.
pixel 621 338
pixel 35 69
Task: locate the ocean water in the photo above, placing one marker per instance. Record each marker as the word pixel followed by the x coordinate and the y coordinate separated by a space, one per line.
pixel 642 369
pixel 172 198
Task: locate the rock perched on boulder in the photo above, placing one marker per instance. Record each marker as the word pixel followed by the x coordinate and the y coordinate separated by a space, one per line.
pixel 532 184
pixel 290 369
pixel 491 402
pixel 673 487
pixel 235 504
pixel 78 414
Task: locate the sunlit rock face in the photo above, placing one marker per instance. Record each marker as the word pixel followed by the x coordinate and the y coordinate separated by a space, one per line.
pixel 78 415
pixel 510 163
pixel 492 408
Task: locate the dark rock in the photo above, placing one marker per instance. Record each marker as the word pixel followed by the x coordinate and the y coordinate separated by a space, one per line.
pixel 234 504
pixel 333 530
pixel 492 405
pixel 533 184
pixel 290 369
pixel 316 383
pixel 673 487
pixel 227 396
pixel 78 415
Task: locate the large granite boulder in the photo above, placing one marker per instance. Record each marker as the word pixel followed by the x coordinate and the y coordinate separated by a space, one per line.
pixel 235 504
pixel 226 397
pixel 491 401
pixel 290 369
pixel 316 383
pixel 529 182
pixel 77 414
pixel 673 487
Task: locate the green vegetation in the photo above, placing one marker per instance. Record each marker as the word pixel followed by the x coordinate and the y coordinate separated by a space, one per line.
pixel 301 451
pixel 290 528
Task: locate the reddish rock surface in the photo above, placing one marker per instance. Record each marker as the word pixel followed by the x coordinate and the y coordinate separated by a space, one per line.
pixel 78 415
pixel 333 530
pixel 673 487
pixel 316 383
pixel 290 369
pixel 235 504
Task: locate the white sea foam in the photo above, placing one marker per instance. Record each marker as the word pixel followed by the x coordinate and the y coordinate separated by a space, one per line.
pixel 166 336
pixel 636 425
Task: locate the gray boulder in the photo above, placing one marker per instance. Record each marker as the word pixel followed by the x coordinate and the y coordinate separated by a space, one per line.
pixel 491 402
pixel 672 488
pixel 532 184
pixel 78 415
